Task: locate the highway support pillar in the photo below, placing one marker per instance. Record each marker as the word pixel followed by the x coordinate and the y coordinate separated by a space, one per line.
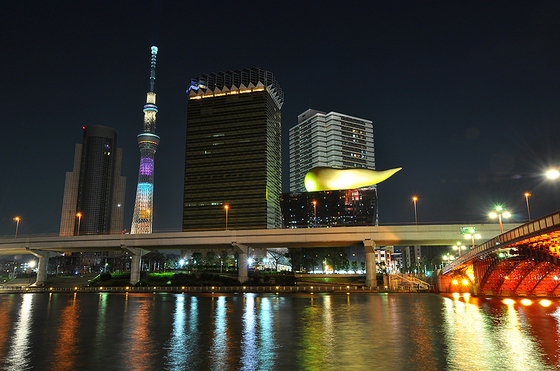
pixel 136 263
pixel 42 266
pixel 371 275
pixel 242 250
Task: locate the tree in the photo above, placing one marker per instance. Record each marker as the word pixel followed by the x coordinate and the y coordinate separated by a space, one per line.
pixel 346 265
pixel 197 258
pixel 355 266
pixel 224 257
pixel 211 258
pixel 295 257
pixel 363 265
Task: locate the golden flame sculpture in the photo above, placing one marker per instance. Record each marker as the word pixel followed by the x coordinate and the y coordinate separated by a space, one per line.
pixel 330 179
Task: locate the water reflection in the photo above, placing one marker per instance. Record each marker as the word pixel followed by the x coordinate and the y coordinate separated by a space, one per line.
pixel 20 349
pixel 491 331
pixel 267 332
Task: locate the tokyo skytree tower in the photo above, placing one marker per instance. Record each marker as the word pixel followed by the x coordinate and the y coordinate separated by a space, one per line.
pixel 148 142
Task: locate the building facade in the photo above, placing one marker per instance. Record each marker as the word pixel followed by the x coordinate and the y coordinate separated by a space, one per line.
pixel 94 191
pixel 330 140
pixel 329 208
pixel 233 174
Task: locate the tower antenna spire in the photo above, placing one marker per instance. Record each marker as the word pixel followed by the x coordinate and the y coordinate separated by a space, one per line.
pixel 148 142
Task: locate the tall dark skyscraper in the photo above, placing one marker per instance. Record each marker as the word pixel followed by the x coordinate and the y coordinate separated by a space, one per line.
pixel 233 171
pixel 94 191
pixel 148 142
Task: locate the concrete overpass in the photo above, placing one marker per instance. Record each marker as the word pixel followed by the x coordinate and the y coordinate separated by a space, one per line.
pixel 242 240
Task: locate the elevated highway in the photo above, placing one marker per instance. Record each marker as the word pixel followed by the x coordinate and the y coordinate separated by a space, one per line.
pixel 242 240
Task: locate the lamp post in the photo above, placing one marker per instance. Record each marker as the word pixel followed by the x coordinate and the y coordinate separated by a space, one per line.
pixel 472 236
pixel 553 173
pixel 527 194
pixel 315 213
pixel 498 212
pixel 414 199
pixel 226 207
pixel 79 215
pixel 17 219
pixel 458 246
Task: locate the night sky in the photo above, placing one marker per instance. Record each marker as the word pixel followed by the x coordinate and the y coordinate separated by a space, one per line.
pixel 464 96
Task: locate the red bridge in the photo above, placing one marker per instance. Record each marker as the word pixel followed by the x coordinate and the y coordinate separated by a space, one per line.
pixel 521 262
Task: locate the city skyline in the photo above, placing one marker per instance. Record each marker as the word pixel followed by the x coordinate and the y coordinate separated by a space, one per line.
pixel 463 97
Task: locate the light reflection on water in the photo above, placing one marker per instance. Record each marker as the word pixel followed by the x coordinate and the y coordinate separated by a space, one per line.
pixel 276 332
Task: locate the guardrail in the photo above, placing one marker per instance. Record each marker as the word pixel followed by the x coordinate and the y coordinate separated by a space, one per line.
pixel 545 223
pixel 201 289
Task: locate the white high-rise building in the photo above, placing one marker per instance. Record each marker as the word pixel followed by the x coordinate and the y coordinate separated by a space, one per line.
pixel 329 139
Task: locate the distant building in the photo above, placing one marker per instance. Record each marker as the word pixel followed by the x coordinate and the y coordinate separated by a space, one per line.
pixel 233 151
pixel 95 188
pixel 330 140
pixel 329 208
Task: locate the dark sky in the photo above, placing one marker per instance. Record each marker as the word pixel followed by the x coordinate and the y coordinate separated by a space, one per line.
pixel 464 96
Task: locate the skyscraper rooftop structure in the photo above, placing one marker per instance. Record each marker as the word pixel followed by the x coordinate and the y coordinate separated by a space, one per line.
pixel 94 191
pixel 233 151
pixel 329 140
pixel 148 142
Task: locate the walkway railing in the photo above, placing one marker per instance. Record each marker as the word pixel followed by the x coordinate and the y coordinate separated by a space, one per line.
pixel 202 289
pixel 535 227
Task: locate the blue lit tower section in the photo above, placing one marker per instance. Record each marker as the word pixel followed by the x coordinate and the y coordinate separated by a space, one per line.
pixel 148 142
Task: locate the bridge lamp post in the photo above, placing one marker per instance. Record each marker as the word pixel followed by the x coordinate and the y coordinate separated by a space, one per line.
pixel 79 215
pixel 498 212
pixel 17 219
pixel 414 200
pixel 527 194
pixel 459 247
pixel 226 207
pixel 472 236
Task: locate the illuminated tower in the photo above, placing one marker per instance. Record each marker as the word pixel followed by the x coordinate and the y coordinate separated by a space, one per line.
pixel 148 142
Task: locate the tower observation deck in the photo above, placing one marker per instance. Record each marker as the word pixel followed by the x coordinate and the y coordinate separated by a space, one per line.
pixel 148 142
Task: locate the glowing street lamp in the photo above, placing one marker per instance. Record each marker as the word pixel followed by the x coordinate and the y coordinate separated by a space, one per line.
pixel 414 199
pixel 458 246
pixel 79 215
pixel 527 194
pixel 472 236
pixel 226 207
pixel 17 219
pixel 498 212
pixel 553 174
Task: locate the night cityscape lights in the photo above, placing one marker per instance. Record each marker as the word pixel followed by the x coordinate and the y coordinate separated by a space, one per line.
pixel 148 142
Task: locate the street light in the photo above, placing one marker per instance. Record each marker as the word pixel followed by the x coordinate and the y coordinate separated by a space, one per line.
pixel 79 215
pixel 458 246
pixel 527 194
pixel 553 174
pixel 227 209
pixel 414 199
pixel 315 213
pixel 498 212
pixel 17 219
pixel 472 236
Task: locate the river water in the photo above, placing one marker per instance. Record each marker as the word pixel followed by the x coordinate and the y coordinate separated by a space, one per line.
pixel 166 331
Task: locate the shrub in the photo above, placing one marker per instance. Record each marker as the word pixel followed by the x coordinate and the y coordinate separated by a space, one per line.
pixel 105 277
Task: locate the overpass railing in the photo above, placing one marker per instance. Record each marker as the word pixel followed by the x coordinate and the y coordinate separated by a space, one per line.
pixel 539 226
pixel 204 289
